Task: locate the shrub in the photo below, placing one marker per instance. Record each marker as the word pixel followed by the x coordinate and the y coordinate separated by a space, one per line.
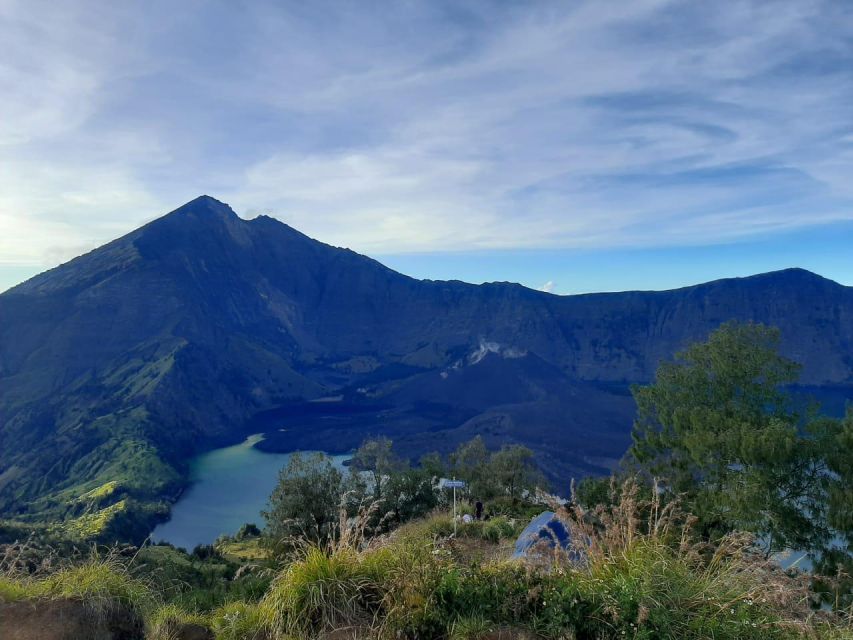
pixel 205 552
pixel 242 621
pixel 323 590
pixel 470 628
pixel 438 525
pixel 12 590
pixel 103 583
pixel 164 622
pixel 498 529
pixel 248 530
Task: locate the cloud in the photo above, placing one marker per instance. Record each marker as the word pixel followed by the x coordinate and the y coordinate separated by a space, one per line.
pixel 428 126
pixel 548 287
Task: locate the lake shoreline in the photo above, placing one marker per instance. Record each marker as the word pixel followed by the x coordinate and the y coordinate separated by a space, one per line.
pixel 226 488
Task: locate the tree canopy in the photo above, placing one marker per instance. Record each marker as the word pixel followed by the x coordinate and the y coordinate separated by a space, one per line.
pixel 721 427
pixel 306 501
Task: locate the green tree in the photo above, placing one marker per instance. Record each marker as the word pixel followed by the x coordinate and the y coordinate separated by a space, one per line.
pixel 433 464
pixel 376 457
pixel 718 426
pixel 412 493
pixel 514 470
pixel 469 463
pixel 305 503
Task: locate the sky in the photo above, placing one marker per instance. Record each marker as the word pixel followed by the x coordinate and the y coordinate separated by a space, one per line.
pixel 571 146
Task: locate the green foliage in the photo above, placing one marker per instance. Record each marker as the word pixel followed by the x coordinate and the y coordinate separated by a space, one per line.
pixel 325 590
pixel 165 621
pixel 593 491
pixel 376 457
pixel 638 583
pixel 109 488
pixel 398 492
pixel 305 504
pixel 510 472
pixel 649 591
pixel 470 628
pixel 200 584
pixel 101 583
pixel 411 493
pixel 500 528
pixel 513 470
pixel 719 428
pixel 248 530
pixel 241 620
pixel 13 590
pixel 469 463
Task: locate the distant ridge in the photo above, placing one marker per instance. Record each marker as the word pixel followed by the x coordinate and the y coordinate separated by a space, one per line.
pixel 200 325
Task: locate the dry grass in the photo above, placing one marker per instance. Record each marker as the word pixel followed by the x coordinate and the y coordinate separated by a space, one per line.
pixel 640 557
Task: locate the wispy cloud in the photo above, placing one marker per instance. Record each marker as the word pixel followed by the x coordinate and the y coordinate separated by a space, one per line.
pixel 428 126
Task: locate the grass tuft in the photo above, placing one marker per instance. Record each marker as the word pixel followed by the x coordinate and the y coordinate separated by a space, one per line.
pixel 244 621
pixel 326 590
pixel 102 583
pixel 165 622
pixel 470 628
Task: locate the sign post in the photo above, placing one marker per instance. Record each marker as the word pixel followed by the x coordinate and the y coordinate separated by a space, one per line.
pixel 454 484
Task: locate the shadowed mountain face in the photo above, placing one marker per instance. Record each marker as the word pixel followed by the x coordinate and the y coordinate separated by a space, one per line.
pixel 200 327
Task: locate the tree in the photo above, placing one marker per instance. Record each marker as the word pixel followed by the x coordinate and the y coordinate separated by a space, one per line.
pixel 469 463
pixel 412 493
pixel 376 456
pixel 718 426
pixel 305 503
pixel 433 465
pixel 514 470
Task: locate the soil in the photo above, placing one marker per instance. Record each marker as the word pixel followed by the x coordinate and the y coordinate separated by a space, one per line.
pixel 66 620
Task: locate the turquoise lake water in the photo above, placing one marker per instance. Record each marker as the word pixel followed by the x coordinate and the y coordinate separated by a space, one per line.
pixel 229 487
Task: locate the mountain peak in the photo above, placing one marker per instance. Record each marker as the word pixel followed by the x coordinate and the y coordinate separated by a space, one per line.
pixel 793 276
pixel 204 205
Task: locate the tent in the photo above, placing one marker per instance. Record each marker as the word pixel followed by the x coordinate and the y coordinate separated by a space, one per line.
pixel 545 530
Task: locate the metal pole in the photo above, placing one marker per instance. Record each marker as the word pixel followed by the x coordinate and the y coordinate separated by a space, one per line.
pixel 454 506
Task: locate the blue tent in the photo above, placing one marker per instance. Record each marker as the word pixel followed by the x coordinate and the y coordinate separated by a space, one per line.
pixel 545 529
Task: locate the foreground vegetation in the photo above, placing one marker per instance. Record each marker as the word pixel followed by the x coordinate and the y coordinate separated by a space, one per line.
pixel 643 576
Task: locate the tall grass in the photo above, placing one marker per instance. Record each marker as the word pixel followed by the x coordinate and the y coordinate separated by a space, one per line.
pixel 166 622
pixel 641 575
pixel 244 621
pixel 103 583
pixel 645 576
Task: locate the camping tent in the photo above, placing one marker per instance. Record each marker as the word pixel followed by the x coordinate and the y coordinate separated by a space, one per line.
pixel 545 530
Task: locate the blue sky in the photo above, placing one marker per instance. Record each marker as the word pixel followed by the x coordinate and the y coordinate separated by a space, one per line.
pixel 590 145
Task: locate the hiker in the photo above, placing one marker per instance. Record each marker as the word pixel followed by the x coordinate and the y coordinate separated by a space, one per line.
pixel 478 510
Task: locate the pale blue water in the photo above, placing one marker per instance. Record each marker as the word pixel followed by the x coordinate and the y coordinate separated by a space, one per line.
pixel 229 487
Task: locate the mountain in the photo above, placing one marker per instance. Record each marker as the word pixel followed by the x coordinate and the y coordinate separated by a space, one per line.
pixel 201 327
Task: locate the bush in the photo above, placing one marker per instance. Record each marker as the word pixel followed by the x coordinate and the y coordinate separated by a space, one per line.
pixel 242 621
pixel 248 530
pixel 164 622
pixel 324 590
pixel 13 590
pixel 102 583
pixel 436 526
pixel 470 628
pixel 493 530
pixel 498 529
pixel 205 552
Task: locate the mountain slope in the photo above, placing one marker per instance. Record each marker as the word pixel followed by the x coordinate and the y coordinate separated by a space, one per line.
pixel 186 333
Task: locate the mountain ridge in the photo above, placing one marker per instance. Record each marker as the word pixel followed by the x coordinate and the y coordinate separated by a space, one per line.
pixel 176 336
pixel 213 205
